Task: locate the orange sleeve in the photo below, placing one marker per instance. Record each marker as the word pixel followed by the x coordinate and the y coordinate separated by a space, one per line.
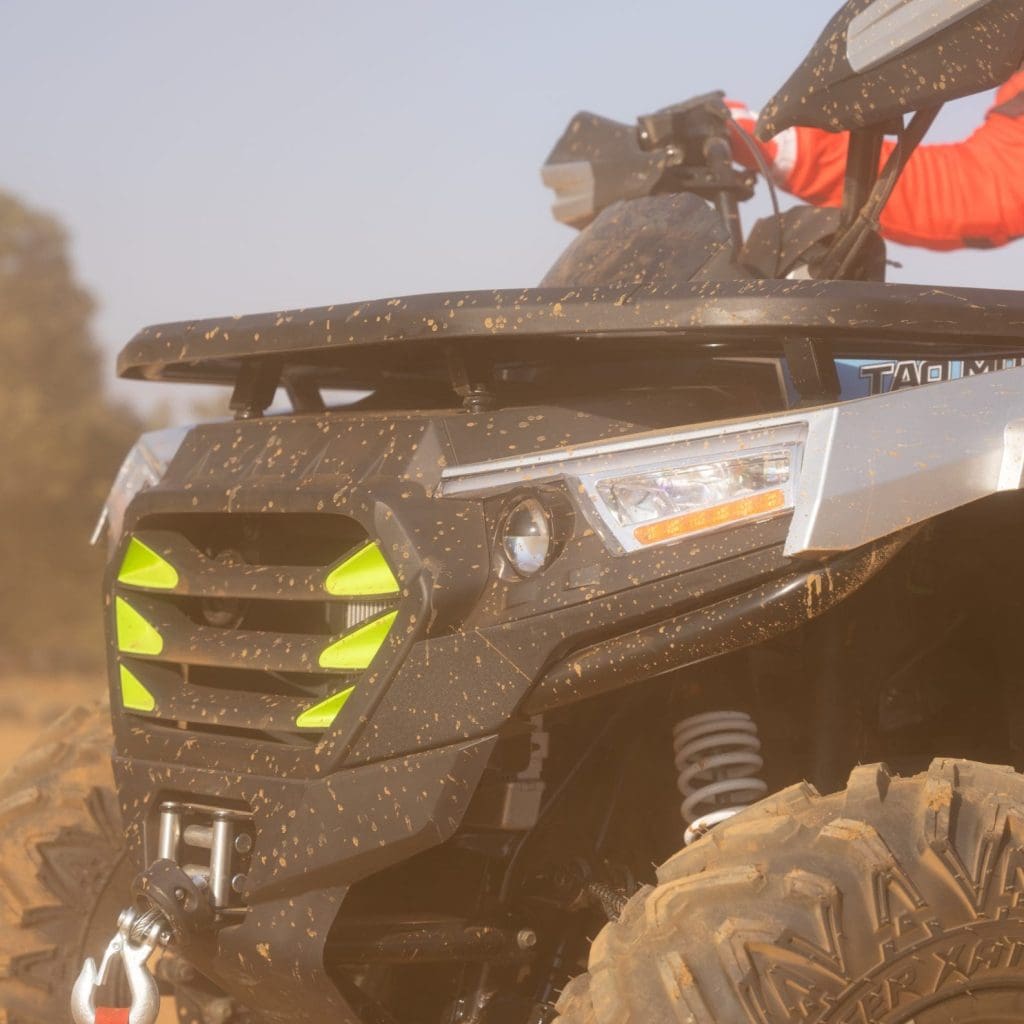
pixel 968 194
pixel 971 193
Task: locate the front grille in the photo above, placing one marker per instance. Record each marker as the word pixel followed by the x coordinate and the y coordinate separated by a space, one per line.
pixel 249 624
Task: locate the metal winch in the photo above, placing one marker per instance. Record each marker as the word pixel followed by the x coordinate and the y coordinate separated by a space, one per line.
pixel 190 834
pixel 193 885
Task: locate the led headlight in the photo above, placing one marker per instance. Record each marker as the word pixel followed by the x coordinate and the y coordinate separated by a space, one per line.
pixel 663 486
pixel 526 537
pixel 665 502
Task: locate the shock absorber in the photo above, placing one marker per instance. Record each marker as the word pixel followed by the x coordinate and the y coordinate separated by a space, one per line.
pixel 718 756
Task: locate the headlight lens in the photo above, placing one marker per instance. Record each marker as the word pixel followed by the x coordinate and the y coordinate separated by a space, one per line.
pixel 663 503
pixel 143 466
pixel 526 537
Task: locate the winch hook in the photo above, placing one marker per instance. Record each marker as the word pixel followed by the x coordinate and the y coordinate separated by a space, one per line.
pixel 137 938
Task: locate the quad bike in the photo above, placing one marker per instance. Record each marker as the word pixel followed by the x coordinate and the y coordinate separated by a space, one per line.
pixel 408 683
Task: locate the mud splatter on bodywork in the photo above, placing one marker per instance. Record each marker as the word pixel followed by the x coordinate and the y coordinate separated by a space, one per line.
pixel 255 514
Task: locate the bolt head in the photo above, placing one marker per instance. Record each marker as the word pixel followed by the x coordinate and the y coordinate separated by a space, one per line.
pixel 243 842
pixel 526 939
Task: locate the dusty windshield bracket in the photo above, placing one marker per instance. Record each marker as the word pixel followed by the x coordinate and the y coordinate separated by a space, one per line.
pixel 812 367
pixel 255 387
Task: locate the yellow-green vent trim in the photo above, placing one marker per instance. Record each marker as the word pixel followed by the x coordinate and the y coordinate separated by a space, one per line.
pixel 356 650
pixel 363 574
pixel 143 567
pixel 134 634
pixel 134 696
pixel 322 715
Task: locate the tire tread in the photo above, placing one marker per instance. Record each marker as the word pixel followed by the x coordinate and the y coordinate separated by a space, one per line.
pixel 788 911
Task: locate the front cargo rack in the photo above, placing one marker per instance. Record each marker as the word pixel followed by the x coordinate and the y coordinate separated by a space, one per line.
pixel 808 323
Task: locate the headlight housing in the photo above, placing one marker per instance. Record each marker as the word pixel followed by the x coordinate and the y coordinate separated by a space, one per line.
pixel 143 467
pixel 657 488
pixel 650 494
pixel 673 500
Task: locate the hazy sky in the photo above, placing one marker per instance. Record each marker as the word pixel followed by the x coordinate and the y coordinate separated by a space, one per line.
pixel 231 156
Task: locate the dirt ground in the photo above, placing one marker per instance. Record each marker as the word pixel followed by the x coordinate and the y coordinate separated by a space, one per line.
pixel 29 703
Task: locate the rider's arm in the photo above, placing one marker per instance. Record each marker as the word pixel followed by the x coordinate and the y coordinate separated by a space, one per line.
pixel 970 193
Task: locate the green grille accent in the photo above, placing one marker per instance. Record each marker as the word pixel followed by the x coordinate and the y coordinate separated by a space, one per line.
pixel 143 567
pixel 134 696
pixel 134 634
pixel 364 574
pixel 322 715
pixel 357 649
